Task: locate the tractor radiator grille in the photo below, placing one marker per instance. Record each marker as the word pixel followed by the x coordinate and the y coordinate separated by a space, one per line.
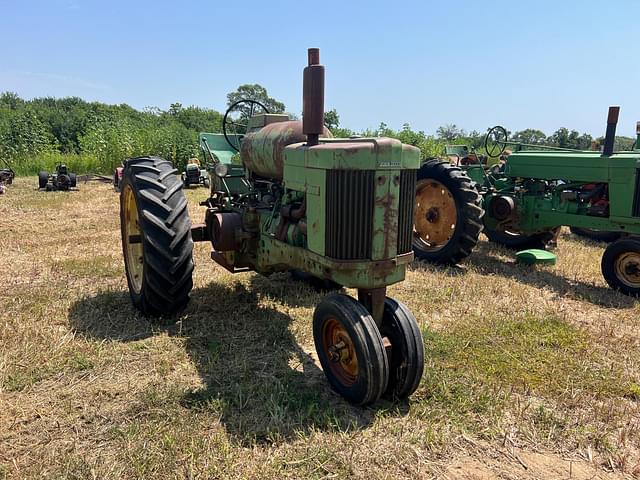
pixel 405 210
pixel 636 196
pixel 350 202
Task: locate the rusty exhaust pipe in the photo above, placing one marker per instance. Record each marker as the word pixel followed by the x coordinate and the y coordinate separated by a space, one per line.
pixel 313 98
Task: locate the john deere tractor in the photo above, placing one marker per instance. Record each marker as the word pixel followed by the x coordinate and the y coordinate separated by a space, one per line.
pixel 194 175
pixel 293 199
pixel 524 200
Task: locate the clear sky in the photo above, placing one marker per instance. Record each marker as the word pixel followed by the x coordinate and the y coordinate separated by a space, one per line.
pixel 538 64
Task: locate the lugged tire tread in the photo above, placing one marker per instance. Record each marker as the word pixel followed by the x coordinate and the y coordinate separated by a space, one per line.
pixel 167 243
pixel 468 203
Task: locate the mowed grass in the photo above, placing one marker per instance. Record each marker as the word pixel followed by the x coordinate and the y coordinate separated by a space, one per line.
pixel 531 372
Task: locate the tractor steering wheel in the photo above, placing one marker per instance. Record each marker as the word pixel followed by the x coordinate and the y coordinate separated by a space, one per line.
pixel 236 120
pixel 495 142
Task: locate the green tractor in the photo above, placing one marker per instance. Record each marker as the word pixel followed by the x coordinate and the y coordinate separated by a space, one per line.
pixel 194 175
pixel 522 201
pixel 292 199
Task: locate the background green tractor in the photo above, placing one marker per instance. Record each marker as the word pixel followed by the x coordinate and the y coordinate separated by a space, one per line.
pixel 61 179
pixel 524 199
pixel 293 199
pixel 195 175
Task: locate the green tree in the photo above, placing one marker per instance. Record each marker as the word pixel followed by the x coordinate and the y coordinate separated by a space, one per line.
pixel 11 100
pixel 332 119
pixel 258 93
pixel 449 132
pixel 529 135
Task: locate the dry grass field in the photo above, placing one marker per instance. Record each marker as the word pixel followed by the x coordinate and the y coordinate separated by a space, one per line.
pixel 532 372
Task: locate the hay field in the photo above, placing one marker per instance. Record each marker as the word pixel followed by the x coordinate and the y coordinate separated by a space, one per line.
pixel 530 372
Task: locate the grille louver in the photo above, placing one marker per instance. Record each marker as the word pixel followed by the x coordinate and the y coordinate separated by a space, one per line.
pixel 350 202
pixel 405 210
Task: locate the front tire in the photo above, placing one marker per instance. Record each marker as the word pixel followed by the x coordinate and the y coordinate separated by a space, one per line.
pixel 621 265
pixel 156 236
pixel 406 361
pixel 448 214
pixel 350 349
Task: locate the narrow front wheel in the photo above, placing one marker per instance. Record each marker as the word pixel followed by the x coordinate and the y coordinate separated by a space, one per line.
pixel 350 349
pixel 406 351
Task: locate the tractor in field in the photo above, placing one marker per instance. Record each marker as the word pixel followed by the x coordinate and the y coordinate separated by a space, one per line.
pixel 523 201
pixel 293 198
pixel 194 175
pixel 61 179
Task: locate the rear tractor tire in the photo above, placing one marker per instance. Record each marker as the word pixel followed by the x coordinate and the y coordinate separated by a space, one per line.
pixel 350 349
pixel 621 265
pixel 43 179
pixel 156 236
pixel 448 214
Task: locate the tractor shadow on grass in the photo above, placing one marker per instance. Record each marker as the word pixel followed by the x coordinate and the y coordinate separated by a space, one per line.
pixel 484 260
pixel 261 384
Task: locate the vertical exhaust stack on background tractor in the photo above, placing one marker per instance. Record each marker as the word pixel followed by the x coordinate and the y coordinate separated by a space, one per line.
pixel 337 210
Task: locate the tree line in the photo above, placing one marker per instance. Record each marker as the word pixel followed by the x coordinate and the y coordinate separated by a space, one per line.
pixel 95 137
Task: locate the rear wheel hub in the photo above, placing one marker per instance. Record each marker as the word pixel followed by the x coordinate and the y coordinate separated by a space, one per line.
pixel 435 216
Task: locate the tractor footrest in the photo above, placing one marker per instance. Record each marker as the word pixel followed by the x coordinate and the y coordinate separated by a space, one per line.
pixel 534 256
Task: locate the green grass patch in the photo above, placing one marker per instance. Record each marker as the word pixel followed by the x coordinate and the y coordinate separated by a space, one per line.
pixel 477 367
pixel 99 266
pixel 19 380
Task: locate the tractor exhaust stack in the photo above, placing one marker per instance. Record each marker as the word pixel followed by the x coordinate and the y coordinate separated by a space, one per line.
pixel 313 98
pixel 610 136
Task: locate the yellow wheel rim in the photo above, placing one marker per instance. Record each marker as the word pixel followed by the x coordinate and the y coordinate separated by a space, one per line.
pixel 339 348
pixel 628 269
pixel 132 241
pixel 435 215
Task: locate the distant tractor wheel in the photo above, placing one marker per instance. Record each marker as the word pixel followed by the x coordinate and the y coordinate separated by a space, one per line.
pixel 621 265
pixel 406 358
pixel 544 240
pixel 43 179
pixel 598 235
pixel 350 349
pixel 448 214
pixel 73 180
pixel 156 236
pixel 318 284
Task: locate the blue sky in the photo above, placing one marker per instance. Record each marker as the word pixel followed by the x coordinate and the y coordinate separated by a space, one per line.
pixel 540 64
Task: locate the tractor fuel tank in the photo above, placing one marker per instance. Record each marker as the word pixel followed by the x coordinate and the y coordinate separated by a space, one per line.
pixel 262 150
